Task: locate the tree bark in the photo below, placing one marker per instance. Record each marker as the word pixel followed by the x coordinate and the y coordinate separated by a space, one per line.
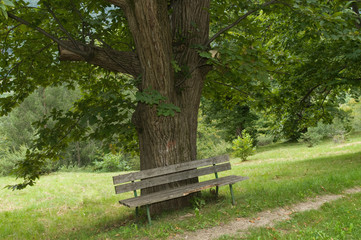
pixel 164 32
pixel 112 60
pixel 161 39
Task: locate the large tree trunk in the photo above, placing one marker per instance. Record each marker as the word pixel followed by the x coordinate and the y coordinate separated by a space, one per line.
pixel 161 38
pixel 166 33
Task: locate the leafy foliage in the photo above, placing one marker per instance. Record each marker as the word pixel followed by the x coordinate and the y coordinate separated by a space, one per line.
pixel 293 61
pixel 153 97
pixel 4 5
pixel 337 131
pixel 230 121
pixel 209 140
pixel 243 146
pixel 10 158
pixel 112 163
pixel 355 106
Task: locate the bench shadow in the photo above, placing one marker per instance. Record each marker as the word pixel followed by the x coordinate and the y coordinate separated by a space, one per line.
pixel 207 196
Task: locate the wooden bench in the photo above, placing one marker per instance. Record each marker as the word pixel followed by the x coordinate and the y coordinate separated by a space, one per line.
pixel 173 173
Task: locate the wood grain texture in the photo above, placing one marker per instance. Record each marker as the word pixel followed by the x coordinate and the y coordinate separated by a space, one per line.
pixel 180 192
pixel 174 177
pixel 168 169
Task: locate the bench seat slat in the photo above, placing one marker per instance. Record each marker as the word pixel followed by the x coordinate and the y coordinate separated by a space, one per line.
pixel 168 169
pixel 180 192
pixel 174 177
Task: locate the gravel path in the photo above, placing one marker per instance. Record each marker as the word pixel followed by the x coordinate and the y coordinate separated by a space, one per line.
pixel 266 218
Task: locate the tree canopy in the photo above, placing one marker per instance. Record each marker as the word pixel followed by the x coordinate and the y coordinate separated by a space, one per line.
pixel 142 67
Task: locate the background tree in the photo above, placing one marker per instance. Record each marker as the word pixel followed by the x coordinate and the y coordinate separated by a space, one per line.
pixel 231 121
pixel 295 66
pixel 17 126
pixel 18 131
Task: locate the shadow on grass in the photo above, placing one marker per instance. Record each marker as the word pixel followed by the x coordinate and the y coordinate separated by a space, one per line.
pixel 324 175
pixel 287 184
pixel 128 227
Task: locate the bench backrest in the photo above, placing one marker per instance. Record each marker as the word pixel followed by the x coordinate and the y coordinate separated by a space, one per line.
pixel 173 173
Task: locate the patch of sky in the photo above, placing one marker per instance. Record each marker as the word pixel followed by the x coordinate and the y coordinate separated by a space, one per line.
pixel 33 3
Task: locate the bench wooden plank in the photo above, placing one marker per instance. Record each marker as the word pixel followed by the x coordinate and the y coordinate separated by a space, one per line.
pixel 174 177
pixel 180 192
pixel 168 169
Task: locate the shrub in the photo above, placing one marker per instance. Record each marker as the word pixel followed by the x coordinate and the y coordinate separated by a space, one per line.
pixel 243 146
pixel 112 163
pixel 338 131
pixel 312 137
pixel 209 141
pixel 263 139
pixel 10 157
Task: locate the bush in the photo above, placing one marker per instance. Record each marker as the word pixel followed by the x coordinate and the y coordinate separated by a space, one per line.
pixel 210 148
pixel 10 157
pixel 355 122
pixel 243 146
pixel 209 141
pixel 112 163
pixel 263 139
pixel 312 137
pixel 338 131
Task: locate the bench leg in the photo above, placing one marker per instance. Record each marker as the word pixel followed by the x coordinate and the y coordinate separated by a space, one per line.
pixel 137 212
pixel 148 214
pixel 216 191
pixel 231 189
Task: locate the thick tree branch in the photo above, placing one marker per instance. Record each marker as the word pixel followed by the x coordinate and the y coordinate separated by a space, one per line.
pixel 309 93
pixel 61 25
pixel 7 35
pixel 225 29
pixel 48 35
pixel 112 60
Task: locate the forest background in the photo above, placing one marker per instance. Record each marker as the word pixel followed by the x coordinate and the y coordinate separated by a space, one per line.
pixel 218 128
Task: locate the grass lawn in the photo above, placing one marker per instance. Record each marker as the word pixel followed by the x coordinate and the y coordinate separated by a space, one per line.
pixel 336 220
pixel 84 206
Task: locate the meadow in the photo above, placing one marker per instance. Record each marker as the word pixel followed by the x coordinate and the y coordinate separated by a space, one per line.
pixel 83 205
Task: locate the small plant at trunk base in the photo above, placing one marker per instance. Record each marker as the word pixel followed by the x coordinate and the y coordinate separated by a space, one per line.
pixel 243 146
pixel 197 202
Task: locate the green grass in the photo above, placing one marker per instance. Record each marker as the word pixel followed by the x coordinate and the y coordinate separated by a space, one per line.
pixel 340 219
pixel 84 206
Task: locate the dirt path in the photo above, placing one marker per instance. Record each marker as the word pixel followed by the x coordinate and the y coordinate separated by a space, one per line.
pixel 266 218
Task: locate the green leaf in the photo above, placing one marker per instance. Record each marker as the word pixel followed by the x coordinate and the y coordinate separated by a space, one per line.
pixel 167 109
pixel 175 66
pixel 8 3
pixel 3 11
pixel 150 97
pixel 205 54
